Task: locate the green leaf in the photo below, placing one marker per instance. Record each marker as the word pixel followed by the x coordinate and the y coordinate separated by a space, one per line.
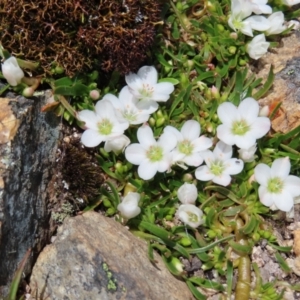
pixel 195 291
pixel 279 248
pixel 250 225
pixel 204 249
pixel 171 80
pixel 17 277
pixel 208 284
pixel 284 266
pixel 65 81
pixel 241 249
pixel 266 86
pixel 78 89
pixel 229 278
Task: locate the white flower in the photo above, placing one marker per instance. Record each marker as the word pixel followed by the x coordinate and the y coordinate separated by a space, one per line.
pixel 293 23
pixel 276 23
pixel 189 145
pixel 239 11
pixel 129 206
pixel 130 108
pixel 290 2
pixel 117 144
pixel 247 155
pixel 261 7
pixel 144 86
pixel 241 125
pixel 190 215
pixel 258 46
pixel 187 193
pixel 11 71
pixel 277 187
pixel 152 156
pixel 102 124
pixel 219 165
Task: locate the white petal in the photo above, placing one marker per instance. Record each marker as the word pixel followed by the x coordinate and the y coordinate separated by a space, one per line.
pixel 140 119
pixel 187 193
pixel 260 127
pixel 160 97
pixel 225 135
pixel 148 74
pixel 209 157
pixel 223 179
pixel 259 23
pixel 247 28
pixel 184 212
pixel 129 206
pixel 281 168
pixel 12 71
pixel 193 160
pixel 262 9
pixel 164 88
pixel 227 113
pixel 283 201
pixel 147 106
pixel 165 164
pixel 245 141
pixel 249 110
pixel 262 174
pixel 202 143
pixel 134 82
pixel 89 117
pixel 105 109
pixel 175 131
pixel 145 136
pixel 135 154
pixel 190 130
pixel 222 151
pixel 265 197
pixel 233 166
pixel 203 173
pixel 292 185
pixel 91 138
pixel 167 141
pixel 114 100
pixel 147 170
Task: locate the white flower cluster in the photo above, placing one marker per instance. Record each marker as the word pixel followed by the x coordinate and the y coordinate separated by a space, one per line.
pixel 113 115
pixel 240 126
pixel 241 19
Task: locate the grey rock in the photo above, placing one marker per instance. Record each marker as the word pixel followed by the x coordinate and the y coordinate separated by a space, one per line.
pixel 27 156
pixel 94 257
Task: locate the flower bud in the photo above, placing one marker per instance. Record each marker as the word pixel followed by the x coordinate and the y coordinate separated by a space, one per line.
pixel 11 71
pixel 160 122
pixel 187 193
pixel 232 49
pixel 264 111
pixel 117 144
pixel 247 155
pixel 28 92
pixel 129 206
pixel 190 215
pixel 94 94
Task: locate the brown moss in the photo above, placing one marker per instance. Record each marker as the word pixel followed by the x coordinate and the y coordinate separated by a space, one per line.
pixel 80 34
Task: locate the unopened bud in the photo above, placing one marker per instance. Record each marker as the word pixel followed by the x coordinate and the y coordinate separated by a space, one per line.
pixel 264 111
pixel 94 94
pixel 28 92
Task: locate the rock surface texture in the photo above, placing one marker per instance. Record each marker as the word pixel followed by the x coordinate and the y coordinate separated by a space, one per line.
pixel 286 87
pixel 28 142
pixel 94 257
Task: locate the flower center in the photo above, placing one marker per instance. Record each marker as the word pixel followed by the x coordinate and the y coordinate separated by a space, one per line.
pixel 186 147
pixel 240 127
pixel 275 185
pixel 237 23
pixel 105 127
pixel 129 115
pixel 217 167
pixel 192 217
pixel 146 91
pixel 155 153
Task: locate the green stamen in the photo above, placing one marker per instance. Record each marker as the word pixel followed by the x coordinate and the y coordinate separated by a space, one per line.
pixel 240 127
pixel 192 217
pixel 105 127
pixel 186 147
pixel 275 185
pixel 155 153
pixel 217 167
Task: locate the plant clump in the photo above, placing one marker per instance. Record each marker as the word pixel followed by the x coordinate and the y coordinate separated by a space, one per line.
pixel 80 35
